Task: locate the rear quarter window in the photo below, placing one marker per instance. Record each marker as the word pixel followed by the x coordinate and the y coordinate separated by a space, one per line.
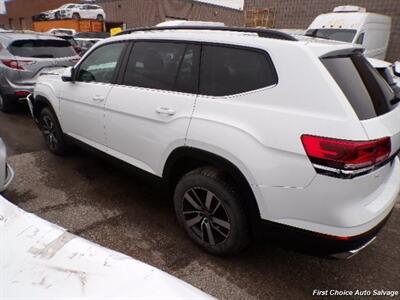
pixel 227 71
pixel 366 90
pixel 42 48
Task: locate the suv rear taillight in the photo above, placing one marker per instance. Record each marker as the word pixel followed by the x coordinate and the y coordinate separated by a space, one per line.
pixel 16 64
pixel 343 158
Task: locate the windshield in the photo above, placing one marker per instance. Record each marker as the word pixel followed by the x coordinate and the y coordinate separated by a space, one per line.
pixel 366 90
pixel 42 48
pixel 343 35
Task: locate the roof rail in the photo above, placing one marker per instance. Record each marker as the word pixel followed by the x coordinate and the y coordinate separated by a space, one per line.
pixel 265 33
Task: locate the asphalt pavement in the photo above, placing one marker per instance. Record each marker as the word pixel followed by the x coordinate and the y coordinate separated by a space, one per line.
pixel 121 210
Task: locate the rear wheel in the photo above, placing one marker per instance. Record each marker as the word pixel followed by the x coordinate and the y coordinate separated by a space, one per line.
pixel 100 18
pixel 209 209
pixel 76 16
pixel 7 105
pixel 52 132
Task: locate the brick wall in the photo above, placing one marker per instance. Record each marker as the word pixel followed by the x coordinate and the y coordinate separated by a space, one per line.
pixel 20 12
pixel 300 14
pixel 136 13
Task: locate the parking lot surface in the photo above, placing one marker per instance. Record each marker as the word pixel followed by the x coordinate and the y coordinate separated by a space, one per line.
pixel 121 210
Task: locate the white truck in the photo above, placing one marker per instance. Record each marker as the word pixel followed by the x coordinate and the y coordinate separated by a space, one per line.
pixel 353 24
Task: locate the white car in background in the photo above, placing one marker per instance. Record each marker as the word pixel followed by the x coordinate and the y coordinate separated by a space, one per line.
pixel 6 172
pixel 82 11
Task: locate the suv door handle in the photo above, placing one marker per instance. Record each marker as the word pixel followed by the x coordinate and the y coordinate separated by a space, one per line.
pixel 98 98
pixel 165 111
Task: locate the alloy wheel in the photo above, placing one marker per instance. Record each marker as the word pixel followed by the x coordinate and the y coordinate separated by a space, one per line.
pixel 205 215
pixel 48 130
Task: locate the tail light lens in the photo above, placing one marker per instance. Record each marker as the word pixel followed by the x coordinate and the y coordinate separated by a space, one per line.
pixel 16 64
pixel 345 158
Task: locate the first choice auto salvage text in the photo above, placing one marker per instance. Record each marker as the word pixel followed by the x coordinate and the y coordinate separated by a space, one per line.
pixel 375 292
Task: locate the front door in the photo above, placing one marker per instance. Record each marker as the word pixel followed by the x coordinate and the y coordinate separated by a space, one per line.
pixel 82 101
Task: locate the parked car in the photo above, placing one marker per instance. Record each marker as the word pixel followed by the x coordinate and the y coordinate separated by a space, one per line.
pixel 242 141
pixel 6 172
pixel 74 43
pixel 62 31
pixel 353 24
pixel 86 44
pixel 23 56
pixel 386 70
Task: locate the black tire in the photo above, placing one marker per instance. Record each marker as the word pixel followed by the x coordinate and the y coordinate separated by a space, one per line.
pixel 100 18
pixel 76 16
pixel 202 220
pixel 7 105
pixel 52 133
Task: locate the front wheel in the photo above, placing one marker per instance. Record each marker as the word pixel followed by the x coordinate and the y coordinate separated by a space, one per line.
pixel 209 209
pixel 52 132
pixel 76 16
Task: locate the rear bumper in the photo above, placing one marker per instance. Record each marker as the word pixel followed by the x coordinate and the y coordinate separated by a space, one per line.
pixel 9 89
pixel 336 207
pixel 320 244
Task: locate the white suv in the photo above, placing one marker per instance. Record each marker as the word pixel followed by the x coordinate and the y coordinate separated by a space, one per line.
pixel 248 127
pixel 80 11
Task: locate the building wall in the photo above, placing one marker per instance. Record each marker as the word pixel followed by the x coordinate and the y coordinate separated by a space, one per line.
pixel 20 12
pixel 136 13
pixel 300 14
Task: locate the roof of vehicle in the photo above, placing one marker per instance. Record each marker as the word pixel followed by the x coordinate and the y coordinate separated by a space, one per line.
pixel 10 36
pixel 251 39
pixel 347 20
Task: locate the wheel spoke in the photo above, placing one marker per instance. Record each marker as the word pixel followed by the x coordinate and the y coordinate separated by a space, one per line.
pixel 216 208
pixel 191 212
pixel 220 222
pixel 193 221
pixel 225 235
pixel 209 198
pixel 191 201
pixel 210 235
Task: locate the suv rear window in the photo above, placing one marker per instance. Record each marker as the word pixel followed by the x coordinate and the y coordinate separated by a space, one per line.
pixel 368 93
pixel 228 71
pixel 42 48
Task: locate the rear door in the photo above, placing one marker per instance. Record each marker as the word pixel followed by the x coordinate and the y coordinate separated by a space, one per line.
pixel 369 94
pixel 149 112
pixel 35 55
pixel 82 101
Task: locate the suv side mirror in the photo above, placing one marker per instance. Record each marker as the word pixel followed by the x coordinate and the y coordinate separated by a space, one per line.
pixel 396 68
pixel 68 75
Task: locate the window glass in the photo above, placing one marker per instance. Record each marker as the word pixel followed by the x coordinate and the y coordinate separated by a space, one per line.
pixel 228 71
pixel 366 90
pixel 360 39
pixel 100 65
pixel 187 80
pixel 344 35
pixel 154 65
pixel 42 48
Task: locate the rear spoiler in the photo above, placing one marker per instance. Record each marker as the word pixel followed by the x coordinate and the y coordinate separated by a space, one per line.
pixel 343 53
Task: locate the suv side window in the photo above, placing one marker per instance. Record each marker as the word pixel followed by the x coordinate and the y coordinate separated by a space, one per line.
pixel 156 65
pixel 101 64
pixel 228 71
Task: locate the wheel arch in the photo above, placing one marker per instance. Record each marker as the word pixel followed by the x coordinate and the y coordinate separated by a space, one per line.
pixel 184 159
